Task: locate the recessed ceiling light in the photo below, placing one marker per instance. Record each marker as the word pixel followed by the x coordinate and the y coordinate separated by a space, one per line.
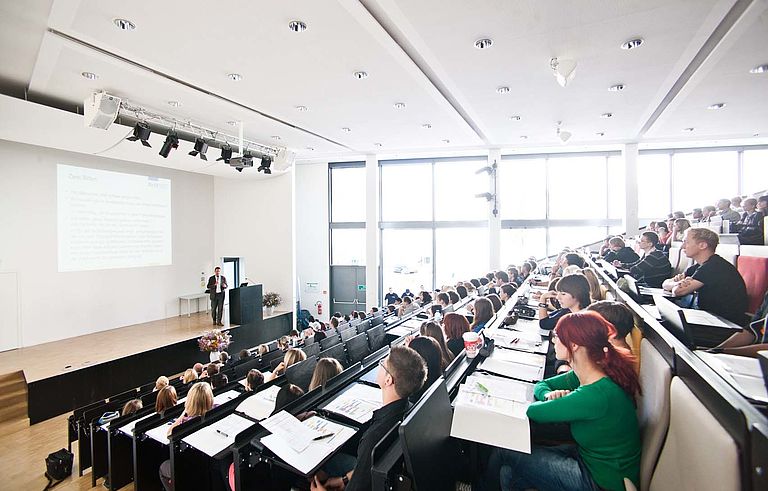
pixel 632 43
pixel 399 105
pixel 174 103
pixel 523 137
pixel 515 118
pixel 235 77
pixel 616 88
pixel 483 43
pixel 688 129
pixel 125 24
pixel 360 75
pixel 502 90
pixel 759 69
pixel 297 26
pixel 275 137
pixel 446 141
pixel 345 129
pixel 311 149
pixel 426 126
pixel 89 75
pixel 600 133
pixel 718 105
pixel 233 123
pixel 606 115
pixel 301 109
pixel 377 145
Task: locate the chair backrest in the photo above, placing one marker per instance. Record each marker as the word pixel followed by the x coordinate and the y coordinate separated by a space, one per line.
pixel 301 373
pixel 331 340
pixel 363 326
pixel 311 349
pixel 753 250
pixel 754 271
pixel 336 351
pixel 729 252
pixel 347 333
pixel 652 408
pixel 376 337
pixel 242 369
pixel 377 319
pixel 674 256
pixel 698 452
pixel 357 348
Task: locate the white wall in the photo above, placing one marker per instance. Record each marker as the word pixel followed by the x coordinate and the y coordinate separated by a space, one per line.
pixel 55 305
pixel 254 222
pixel 312 254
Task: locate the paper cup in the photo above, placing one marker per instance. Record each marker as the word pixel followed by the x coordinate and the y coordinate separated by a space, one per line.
pixel 471 343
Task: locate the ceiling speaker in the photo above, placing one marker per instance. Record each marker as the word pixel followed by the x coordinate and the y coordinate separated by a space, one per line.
pixel 100 110
pixel 283 160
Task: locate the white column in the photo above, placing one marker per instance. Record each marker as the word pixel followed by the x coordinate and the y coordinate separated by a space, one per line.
pixel 371 231
pixel 631 219
pixel 494 222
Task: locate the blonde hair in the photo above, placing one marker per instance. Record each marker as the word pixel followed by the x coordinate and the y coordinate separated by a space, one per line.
pixel 263 349
pixel 199 399
pixel 326 369
pixel 292 356
pixel 189 376
pixel 162 381
pixel 572 269
pixel 596 291
pixel 705 235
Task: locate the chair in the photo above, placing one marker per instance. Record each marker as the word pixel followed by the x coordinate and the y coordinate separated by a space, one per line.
pixel 376 337
pixel 331 340
pixel 301 373
pixel 357 348
pixel 363 326
pixel 347 333
pixel 754 271
pixel 652 408
pixel 698 452
pixel 729 252
pixel 337 352
pixel 311 349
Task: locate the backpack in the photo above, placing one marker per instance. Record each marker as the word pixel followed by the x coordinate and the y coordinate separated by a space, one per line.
pixel 58 466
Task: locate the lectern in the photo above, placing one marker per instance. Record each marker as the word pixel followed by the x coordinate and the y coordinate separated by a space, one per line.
pixel 245 305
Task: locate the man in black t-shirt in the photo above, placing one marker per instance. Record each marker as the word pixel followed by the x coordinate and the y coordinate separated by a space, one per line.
pixel 391 297
pixel 718 286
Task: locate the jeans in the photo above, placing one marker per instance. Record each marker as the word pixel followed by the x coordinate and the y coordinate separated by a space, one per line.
pixel 546 468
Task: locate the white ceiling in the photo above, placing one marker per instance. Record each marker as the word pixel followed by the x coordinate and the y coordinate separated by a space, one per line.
pixel 417 52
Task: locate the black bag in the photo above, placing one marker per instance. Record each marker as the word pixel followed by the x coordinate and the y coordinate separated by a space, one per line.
pixel 58 466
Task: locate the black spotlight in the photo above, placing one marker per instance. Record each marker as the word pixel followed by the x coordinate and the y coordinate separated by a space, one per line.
pixel 171 142
pixel 141 132
pixel 226 154
pixel 200 148
pixel 266 162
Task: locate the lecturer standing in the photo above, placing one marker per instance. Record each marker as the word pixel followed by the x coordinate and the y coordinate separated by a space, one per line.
pixel 217 284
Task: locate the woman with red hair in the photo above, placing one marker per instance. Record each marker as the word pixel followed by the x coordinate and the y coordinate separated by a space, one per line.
pixel 597 399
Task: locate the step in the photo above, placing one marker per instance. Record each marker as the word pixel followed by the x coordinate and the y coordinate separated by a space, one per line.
pixel 7 397
pixel 12 377
pixel 13 412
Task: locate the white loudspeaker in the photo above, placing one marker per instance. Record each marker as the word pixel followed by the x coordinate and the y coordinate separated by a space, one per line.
pixel 284 160
pixel 100 110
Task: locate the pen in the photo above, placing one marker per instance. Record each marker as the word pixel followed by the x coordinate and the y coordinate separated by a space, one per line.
pixel 322 437
pixel 482 387
pixel 222 433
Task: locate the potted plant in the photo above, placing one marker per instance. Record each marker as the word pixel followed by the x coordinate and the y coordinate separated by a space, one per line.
pixel 214 342
pixel 270 301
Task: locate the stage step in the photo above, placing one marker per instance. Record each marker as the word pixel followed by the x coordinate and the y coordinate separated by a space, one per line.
pixel 13 397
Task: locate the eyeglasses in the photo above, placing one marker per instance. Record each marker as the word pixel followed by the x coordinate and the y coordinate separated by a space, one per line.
pixel 382 365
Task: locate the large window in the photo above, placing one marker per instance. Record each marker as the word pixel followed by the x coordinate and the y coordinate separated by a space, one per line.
pixel 653 174
pixel 701 178
pixel 517 244
pixel 462 253
pixel 755 175
pixel 577 187
pixel 522 186
pixel 348 246
pixel 407 259
pixel 348 194
pixel 406 192
pixel 456 187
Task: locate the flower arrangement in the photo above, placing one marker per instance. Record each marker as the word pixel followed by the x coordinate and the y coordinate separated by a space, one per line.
pixel 214 340
pixel 271 299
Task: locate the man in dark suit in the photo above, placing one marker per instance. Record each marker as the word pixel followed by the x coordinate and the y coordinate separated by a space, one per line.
pixel 217 284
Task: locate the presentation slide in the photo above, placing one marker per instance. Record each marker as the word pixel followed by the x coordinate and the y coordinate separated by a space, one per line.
pixel 112 220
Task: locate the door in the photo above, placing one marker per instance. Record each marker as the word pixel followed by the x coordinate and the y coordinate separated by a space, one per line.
pixel 231 271
pixel 347 289
pixel 9 303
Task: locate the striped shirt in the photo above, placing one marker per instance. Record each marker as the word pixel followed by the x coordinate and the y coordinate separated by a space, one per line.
pixel 652 269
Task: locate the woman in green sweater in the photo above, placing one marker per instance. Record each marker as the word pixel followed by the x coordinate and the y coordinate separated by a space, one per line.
pixel 597 399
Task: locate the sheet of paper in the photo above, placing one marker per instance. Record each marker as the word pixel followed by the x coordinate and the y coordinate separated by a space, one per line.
pixel 261 404
pixel 514 370
pixel 306 460
pixel 413 323
pixel 752 387
pixel 704 318
pixel 160 433
pixel 645 290
pixel 128 429
pixel 488 402
pixel 533 359
pixel 653 310
pixel 225 396
pixel 357 403
pixel 289 429
pixel 478 424
pixel 219 435
pixel 500 387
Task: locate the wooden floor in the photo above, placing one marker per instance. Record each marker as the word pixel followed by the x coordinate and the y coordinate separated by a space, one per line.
pixel 23 448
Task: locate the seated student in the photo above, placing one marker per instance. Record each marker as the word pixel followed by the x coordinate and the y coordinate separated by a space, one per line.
pixel 495 301
pixel 453 297
pixel 506 291
pixel 253 380
pixel 334 324
pixel 475 283
pixel 455 326
pixel 429 351
pixel 483 313
pixel 190 376
pixel 443 299
pixel 570 269
pixel 501 278
pixel 391 296
pixel 243 355
pixel 572 294
pixel 286 395
pixel 293 355
pixel 199 401
pixel 514 276
pixel 525 270
pixel 750 227
pixel 263 349
pixel 619 251
pixel 597 399
pixel 425 298
pixel 679 226
pixel 654 267
pixel 436 311
pixel 166 398
pixel 132 406
pixel 462 291
pixel 726 212
pixel 284 343
pixel 596 291
pixel 325 370
pixel 407 293
pixel 434 331
pixel 407 307
pixel 217 378
pixel 718 286
pixel 400 374
pixel 483 281
pixel 696 215
pixel 762 204
pixel 162 381
pixel 573 259
pixel 198 368
pixel 708 212
pixel 224 358
pixel 621 317
pixel 663 231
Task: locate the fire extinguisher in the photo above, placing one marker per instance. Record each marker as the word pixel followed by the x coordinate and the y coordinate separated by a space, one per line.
pixel 319 306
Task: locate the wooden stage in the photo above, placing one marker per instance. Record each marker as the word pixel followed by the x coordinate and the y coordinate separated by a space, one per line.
pixel 25 447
